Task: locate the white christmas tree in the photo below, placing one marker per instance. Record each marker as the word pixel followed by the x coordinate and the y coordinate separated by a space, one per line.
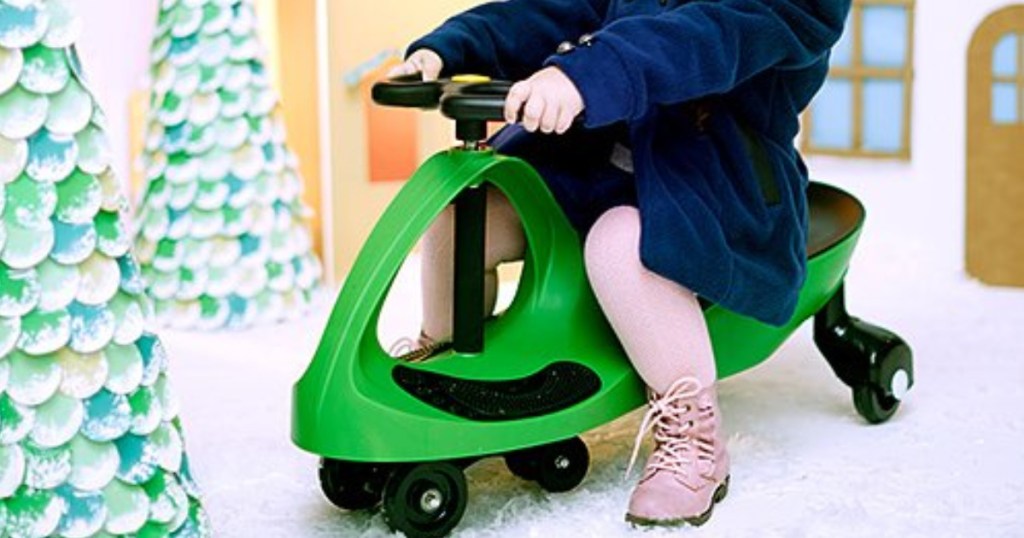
pixel 222 238
pixel 90 444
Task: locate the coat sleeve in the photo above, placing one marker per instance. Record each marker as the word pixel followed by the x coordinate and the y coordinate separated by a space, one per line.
pixel 698 49
pixel 510 39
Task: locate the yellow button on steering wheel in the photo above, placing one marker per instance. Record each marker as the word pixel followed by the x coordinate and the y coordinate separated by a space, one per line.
pixel 470 79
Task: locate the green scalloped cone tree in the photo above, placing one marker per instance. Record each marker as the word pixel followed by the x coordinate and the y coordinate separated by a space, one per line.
pixel 222 239
pixel 90 443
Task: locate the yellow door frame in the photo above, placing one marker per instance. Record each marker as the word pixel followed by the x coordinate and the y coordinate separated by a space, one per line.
pixel 995 169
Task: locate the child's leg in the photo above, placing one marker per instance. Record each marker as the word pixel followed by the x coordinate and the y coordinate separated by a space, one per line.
pixel 504 242
pixel 659 322
pixel 662 328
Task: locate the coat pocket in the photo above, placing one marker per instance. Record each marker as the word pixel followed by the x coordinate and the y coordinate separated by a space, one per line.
pixel 762 165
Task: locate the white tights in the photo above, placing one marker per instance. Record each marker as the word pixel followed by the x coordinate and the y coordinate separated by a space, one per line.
pixel 659 322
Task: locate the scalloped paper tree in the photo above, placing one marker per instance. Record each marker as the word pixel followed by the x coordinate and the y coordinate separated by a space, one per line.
pixel 90 443
pixel 222 240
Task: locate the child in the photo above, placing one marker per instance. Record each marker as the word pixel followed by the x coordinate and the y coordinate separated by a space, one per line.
pixel 680 174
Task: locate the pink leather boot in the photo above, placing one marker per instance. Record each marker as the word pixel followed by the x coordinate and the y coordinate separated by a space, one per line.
pixel 688 471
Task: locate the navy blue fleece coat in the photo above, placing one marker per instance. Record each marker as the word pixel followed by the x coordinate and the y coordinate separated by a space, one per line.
pixel 706 220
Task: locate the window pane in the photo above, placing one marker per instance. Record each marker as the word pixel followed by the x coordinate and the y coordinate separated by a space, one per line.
pixel 1004 57
pixel 842 53
pixel 883 115
pixel 1004 103
pixel 885 36
pixel 832 116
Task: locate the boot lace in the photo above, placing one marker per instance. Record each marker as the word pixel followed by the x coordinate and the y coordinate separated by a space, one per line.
pixel 418 349
pixel 403 345
pixel 675 418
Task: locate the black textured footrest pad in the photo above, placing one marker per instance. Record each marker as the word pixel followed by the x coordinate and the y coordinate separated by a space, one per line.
pixel 558 386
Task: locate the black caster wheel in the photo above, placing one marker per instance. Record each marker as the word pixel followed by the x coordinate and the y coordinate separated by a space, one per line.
pixel 426 500
pixel 873 404
pixel 522 463
pixel 879 399
pixel 352 485
pixel 876 363
pixel 561 466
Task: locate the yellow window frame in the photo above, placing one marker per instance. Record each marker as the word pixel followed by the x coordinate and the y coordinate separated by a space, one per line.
pixel 857 74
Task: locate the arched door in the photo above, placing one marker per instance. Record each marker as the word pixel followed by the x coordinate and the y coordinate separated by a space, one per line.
pixel 995 149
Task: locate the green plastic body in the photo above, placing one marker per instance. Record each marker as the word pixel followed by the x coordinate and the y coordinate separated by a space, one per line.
pixel 346 406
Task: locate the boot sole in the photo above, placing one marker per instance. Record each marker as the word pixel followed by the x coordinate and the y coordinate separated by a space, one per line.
pixel 720 492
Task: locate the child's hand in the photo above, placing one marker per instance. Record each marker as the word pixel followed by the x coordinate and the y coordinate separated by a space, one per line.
pixel 424 61
pixel 549 101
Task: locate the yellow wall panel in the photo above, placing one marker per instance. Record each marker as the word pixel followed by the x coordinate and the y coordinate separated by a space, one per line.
pixel 267 13
pixel 299 78
pixel 138 107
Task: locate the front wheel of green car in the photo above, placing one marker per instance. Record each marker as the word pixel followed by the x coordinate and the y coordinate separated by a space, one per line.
pixel 425 500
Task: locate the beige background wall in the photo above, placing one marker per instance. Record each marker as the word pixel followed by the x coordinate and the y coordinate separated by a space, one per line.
pixel 357 31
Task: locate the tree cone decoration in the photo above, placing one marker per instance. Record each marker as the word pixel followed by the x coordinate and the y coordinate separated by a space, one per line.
pixel 222 241
pixel 89 440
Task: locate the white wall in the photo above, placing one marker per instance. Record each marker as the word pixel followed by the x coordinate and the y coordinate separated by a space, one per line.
pixel 114 49
pixel 926 196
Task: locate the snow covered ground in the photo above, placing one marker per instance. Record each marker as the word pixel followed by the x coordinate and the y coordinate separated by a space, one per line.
pixel 950 463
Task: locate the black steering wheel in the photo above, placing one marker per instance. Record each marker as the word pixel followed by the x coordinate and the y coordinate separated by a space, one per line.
pixel 463 98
